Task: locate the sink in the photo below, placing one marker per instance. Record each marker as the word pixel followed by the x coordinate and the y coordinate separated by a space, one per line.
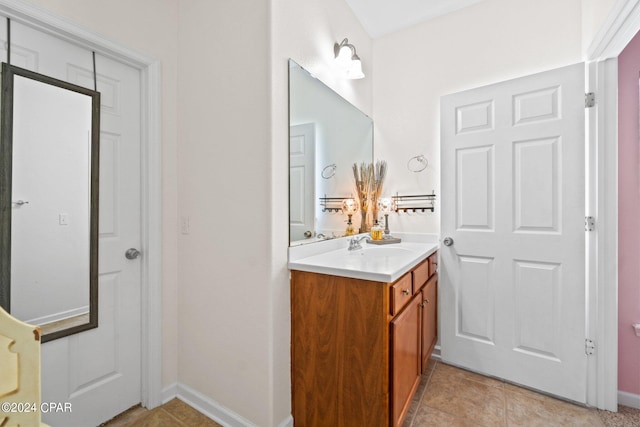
pixel 382 252
pixel 385 263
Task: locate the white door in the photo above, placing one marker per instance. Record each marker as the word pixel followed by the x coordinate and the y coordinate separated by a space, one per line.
pixel 98 371
pixel 302 183
pixel 512 284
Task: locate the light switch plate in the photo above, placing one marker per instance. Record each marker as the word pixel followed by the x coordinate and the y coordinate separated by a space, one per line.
pixel 184 225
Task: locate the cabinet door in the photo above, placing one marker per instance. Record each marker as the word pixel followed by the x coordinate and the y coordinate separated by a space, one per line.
pixel 405 358
pixel 429 319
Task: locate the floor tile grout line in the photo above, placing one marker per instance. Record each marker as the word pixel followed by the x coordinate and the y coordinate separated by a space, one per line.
pixel 181 423
pixel 463 380
pixel 424 390
pixel 506 406
pixel 437 409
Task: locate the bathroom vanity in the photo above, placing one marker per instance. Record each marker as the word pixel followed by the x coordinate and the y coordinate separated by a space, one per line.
pixel 362 332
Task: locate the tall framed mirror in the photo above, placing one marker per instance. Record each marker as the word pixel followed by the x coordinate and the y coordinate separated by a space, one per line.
pixel 327 135
pixel 49 184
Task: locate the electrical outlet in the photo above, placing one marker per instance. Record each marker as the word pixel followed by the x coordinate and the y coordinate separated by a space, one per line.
pixel 184 225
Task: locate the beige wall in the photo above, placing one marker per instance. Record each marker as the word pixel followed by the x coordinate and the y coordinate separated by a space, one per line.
pixel 150 27
pixel 224 315
pixel 488 42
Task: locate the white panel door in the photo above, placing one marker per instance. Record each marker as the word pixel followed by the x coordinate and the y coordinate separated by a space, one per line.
pixel 512 284
pixel 301 181
pixel 98 371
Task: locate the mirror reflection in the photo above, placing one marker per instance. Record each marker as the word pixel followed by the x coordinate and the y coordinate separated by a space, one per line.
pixel 49 200
pixel 327 135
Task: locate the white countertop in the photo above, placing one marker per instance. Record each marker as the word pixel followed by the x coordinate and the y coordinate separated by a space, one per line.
pixel 381 263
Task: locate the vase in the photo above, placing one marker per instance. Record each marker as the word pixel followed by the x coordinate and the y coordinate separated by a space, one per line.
pixel 364 222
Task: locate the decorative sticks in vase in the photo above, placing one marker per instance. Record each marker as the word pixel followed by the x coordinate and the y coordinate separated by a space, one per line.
pixel 378 180
pixel 369 181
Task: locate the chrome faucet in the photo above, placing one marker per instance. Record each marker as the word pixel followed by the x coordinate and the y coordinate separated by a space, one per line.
pixel 354 243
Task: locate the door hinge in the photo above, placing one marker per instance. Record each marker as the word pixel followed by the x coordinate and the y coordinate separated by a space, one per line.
pixel 589 223
pixel 589 100
pixel 589 347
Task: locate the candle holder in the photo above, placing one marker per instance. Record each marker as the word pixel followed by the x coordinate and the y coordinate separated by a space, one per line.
pixel 349 206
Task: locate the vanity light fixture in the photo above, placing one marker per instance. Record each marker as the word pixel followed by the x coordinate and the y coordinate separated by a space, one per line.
pixel 346 57
pixel 349 206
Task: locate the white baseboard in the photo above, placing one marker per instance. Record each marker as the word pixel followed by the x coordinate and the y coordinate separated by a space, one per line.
pixel 436 353
pixel 287 422
pixel 210 407
pixel 628 399
pixel 169 392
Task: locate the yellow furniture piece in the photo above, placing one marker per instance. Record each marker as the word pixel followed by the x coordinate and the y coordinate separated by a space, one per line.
pixel 19 373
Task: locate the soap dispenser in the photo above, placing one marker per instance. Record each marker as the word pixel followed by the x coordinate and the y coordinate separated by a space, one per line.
pixel 376 231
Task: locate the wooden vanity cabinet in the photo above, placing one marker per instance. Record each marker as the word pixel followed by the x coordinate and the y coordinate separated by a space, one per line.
pixel 425 275
pixel 358 346
pixel 429 306
pixel 405 358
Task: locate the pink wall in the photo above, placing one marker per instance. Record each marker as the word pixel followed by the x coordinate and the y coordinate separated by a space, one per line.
pixel 628 217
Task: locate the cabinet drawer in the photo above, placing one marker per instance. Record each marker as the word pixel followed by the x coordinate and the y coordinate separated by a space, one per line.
pixel 421 273
pixel 401 293
pixel 433 263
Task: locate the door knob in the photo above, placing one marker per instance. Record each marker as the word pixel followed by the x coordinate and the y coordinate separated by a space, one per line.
pixel 132 253
pixel 448 241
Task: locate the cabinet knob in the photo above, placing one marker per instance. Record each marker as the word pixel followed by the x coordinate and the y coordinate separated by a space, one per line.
pixel 426 300
pixel 406 291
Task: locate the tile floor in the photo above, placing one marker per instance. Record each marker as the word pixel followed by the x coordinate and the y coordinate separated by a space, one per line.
pixel 447 397
pixel 174 413
pixel 452 397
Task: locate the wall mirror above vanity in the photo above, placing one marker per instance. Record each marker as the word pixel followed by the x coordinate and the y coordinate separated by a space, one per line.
pixel 49 150
pixel 327 135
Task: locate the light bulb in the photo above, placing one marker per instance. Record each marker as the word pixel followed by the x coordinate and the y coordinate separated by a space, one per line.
pixel 355 70
pixel 385 205
pixel 344 57
pixel 349 206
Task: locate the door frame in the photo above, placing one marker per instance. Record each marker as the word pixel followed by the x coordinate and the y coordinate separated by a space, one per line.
pixel 619 28
pixel 151 178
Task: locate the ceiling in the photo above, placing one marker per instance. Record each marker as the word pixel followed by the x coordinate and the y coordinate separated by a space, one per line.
pixel 380 17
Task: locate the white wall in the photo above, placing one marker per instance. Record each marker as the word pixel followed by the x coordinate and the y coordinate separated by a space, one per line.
pixel 304 31
pixel 594 14
pixel 488 42
pixel 230 170
pixel 149 26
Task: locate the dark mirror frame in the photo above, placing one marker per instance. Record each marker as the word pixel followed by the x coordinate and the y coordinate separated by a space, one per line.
pixel 6 157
